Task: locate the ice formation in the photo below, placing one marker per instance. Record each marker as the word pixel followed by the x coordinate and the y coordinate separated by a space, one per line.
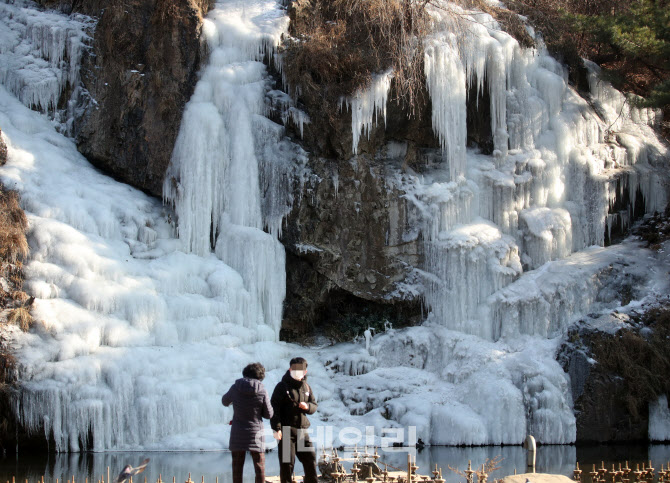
pixel 40 54
pixel 214 177
pixel 546 190
pixel 491 224
pixel 140 331
pixel 659 420
pixel 366 105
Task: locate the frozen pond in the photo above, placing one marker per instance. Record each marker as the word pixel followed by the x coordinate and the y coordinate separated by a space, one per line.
pixel 558 459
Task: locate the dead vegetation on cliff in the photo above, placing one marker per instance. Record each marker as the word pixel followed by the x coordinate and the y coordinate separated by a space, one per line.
pixel 14 302
pixel 338 45
pixel 640 357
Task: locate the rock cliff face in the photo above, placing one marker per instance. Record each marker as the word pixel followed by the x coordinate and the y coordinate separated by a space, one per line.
pixel 350 251
pixel 141 72
pixel 617 374
pixel 350 248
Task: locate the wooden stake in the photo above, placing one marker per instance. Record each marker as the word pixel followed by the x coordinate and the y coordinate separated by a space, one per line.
pixel 409 468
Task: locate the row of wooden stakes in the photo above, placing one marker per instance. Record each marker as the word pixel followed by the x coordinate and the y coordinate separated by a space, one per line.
pixel 623 474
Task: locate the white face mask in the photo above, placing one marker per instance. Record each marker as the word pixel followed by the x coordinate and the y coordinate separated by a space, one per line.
pixel 297 375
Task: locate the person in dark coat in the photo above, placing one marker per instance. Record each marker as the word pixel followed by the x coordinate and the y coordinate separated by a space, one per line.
pixel 292 400
pixel 250 403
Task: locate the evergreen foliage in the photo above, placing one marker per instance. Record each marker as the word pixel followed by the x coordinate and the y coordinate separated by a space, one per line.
pixel 638 33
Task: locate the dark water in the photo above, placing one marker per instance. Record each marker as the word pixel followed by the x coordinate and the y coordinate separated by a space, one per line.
pixel 210 465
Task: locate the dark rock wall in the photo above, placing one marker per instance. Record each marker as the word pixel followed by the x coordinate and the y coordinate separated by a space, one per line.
pixel 601 405
pixel 141 72
pixel 615 375
pixel 350 249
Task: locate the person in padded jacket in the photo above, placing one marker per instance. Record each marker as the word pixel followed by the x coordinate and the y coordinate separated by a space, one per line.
pixel 250 403
pixel 292 400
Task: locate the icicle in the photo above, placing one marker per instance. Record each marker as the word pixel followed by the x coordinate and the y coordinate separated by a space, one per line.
pixel 366 105
pixel 445 77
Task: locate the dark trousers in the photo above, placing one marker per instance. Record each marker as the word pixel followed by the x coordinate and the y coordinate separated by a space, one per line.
pixel 238 465
pixel 294 443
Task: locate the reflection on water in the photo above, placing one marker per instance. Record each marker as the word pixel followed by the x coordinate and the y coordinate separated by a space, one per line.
pixel 212 465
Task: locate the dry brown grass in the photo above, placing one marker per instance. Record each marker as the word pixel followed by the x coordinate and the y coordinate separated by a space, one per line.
pixel 21 317
pixel 642 362
pixel 338 45
pixel 13 250
pixel 13 224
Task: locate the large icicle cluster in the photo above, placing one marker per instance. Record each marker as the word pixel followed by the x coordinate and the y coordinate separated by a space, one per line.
pixel 557 170
pixel 546 190
pixel 39 57
pixel 544 193
pixel 214 176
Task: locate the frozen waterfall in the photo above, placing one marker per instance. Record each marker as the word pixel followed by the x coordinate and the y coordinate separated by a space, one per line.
pixel 143 321
pixel 214 176
pixel 546 190
pixel 140 332
pixel 508 237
